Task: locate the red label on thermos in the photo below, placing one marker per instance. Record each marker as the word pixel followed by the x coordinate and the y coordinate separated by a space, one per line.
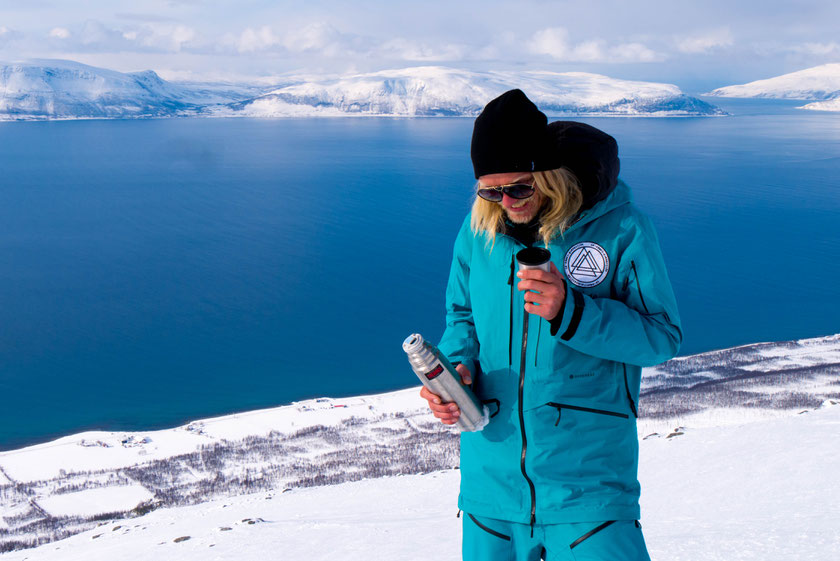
pixel 435 373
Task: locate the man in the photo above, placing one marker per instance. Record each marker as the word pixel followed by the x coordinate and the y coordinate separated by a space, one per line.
pixel 553 474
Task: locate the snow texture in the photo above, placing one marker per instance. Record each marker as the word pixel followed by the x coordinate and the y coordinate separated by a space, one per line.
pixel 737 462
pixel 829 105
pixel 818 83
pixel 57 89
pixel 445 92
pixel 96 501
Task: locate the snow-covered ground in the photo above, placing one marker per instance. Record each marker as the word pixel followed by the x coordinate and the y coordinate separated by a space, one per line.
pixel 60 89
pixel 737 462
pixel 820 84
pixel 764 490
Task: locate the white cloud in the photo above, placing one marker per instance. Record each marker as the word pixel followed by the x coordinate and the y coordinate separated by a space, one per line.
pixel 634 52
pixel 706 42
pixel 405 49
pixel 60 33
pixel 819 49
pixel 253 40
pixel 318 38
pixel 555 42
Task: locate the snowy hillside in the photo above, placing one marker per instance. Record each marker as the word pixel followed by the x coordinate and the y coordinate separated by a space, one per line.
pixel 829 105
pixel 818 83
pixel 438 91
pixel 61 89
pixel 760 491
pixel 53 89
pixel 322 472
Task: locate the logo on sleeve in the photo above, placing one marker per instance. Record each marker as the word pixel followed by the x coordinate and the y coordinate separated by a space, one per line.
pixel 586 264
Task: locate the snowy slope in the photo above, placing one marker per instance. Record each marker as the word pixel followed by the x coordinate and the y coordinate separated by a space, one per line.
pixel 74 484
pixel 829 105
pixel 818 83
pixel 61 89
pixel 759 491
pixel 439 91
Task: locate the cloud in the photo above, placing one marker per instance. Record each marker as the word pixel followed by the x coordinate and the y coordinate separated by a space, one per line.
pixel 404 49
pixel 60 33
pixel 317 37
pixel 8 35
pixel 555 42
pixel 706 42
pixel 818 49
pixel 94 36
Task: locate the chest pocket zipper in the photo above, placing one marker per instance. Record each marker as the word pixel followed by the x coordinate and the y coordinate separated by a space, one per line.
pixel 561 406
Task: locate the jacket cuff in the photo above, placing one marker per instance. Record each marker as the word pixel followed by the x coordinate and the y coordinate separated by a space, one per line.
pixel 569 316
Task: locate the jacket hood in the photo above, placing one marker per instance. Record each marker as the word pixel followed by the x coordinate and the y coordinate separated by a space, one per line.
pixel 589 153
pixel 619 195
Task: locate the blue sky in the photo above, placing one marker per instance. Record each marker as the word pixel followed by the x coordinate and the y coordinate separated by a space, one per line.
pixel 696 44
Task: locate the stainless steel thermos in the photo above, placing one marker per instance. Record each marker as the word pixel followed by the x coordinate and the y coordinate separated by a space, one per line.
pixel 438 375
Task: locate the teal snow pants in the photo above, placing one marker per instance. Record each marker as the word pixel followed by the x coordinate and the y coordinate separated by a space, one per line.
pixel 486 539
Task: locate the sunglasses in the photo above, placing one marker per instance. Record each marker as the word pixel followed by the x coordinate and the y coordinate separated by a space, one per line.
pixel 513 190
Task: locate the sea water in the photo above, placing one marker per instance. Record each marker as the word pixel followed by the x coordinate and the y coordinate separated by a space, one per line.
pixel 157 271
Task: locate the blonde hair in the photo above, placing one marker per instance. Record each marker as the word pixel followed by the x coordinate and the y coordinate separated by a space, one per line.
pixel 563 199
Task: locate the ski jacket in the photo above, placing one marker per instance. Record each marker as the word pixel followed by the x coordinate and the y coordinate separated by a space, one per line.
pixel 561 445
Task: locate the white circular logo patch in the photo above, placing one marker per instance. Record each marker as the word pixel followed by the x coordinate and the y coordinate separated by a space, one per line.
pixel 586 264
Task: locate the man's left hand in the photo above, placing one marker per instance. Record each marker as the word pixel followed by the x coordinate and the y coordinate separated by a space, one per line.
pixel 550 291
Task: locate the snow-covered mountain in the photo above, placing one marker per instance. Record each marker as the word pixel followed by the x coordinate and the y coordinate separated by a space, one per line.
pixel 439 91
pixel 819 83
pixel 61 89
pixel 829 105
pixel 50 89
pixel 78 483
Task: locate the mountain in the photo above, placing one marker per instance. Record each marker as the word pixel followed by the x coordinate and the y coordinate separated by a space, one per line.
pixel 828 105
pixel 54 89
pixel 60 89
pixel 818 83
pixel 112 486
pixel 445 92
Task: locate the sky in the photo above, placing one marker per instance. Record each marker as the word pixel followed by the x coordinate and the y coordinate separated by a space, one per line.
pixel 698 45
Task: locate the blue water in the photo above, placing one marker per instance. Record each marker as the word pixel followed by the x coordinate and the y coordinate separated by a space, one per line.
pixel 157 271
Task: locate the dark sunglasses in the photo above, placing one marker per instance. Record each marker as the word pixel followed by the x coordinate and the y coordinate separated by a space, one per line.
pixel 514 191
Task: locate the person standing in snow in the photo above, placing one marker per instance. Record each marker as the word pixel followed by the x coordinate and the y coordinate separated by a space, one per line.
pixel 553 475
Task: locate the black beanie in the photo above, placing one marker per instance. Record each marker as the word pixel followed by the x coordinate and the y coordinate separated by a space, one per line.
pixel 511 135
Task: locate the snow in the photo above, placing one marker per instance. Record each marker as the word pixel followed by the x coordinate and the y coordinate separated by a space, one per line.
pixel 91 502
pixel 737 462
pixel 63 89
pixel 817 83
pixel 99 450
pixel 440 91
pixel 830 105
pixel 60 89
pixel 764 490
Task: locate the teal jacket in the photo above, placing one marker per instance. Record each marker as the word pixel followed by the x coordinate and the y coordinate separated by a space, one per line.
pixel 561 445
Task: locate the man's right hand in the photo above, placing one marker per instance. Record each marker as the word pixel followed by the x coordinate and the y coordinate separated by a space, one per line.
pixel 448 413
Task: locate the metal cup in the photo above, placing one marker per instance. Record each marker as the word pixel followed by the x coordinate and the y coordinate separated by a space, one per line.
pixel 534 258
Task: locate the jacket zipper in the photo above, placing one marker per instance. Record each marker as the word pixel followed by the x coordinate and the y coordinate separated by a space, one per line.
pixel 522 364
pixel 639 285
pixel 510 327
pixel 561 406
